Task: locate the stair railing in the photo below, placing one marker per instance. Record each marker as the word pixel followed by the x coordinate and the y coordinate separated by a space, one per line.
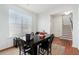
pixel 70 18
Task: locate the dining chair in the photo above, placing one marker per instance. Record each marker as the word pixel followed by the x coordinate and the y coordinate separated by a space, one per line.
pixel 32 36
pixel 29 39
pixel 23 48
pixel 15 42
pixel 45 46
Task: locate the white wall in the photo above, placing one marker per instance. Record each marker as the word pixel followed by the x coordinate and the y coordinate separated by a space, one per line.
pixel 78 26
pixel 4 28
pixel 5 42
pixel 56 25
pixel 44 23
pixel 45 18
pixel 75 27
pixel 35 23
pixel 27 12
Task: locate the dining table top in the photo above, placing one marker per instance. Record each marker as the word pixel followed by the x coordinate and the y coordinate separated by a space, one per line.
pixel 37 41
pixel 37 38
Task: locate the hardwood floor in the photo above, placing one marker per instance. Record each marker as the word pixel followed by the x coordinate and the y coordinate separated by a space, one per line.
pixel 61 44
pixel 69 50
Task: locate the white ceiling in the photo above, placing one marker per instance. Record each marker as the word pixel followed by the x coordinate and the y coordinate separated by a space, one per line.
pixel 40 8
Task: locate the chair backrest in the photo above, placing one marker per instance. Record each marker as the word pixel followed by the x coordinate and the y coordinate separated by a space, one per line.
pixel 32 35
pixel 51 40
pixel 47 42
pixel 27 38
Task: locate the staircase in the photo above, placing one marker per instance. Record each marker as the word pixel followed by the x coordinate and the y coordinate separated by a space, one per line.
pixel 67 27
pixel 67 32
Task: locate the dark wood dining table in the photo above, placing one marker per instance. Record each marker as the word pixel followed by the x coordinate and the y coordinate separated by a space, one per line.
pixel 37 41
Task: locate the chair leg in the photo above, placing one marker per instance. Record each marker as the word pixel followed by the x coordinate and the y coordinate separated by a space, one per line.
pixel 19 52
pixel 39 51
pixel 50 50
pixel 24 52
pixel 47 53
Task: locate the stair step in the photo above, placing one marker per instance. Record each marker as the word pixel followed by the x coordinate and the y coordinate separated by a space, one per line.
pixel 66 38
pixel 67 32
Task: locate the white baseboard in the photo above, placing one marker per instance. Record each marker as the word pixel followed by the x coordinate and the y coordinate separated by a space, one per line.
pixel 75 46
pixel 6 48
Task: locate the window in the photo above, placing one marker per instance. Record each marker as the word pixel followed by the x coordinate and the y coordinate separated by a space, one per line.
pixel 19 23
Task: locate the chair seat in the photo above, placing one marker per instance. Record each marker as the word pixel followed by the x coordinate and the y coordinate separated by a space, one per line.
pixel 26 47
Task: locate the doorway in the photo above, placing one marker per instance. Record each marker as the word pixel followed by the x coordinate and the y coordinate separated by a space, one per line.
pixel 61 26
pixel 67 27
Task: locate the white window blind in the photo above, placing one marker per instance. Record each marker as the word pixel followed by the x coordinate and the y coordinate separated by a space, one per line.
pixel 19 23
